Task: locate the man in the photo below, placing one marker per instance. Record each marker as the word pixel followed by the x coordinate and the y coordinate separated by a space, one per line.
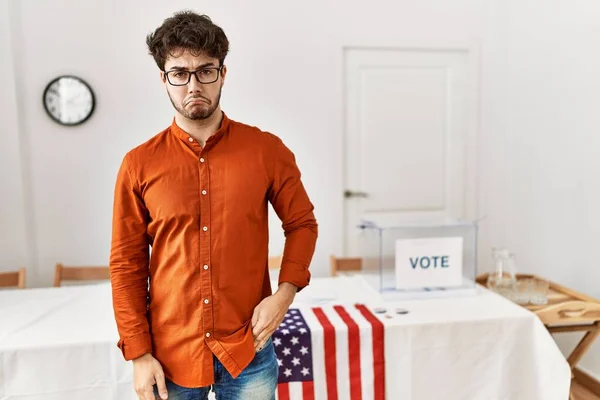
pixel 199 311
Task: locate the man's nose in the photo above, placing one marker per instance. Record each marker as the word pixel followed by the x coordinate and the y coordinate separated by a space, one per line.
pixel 194 85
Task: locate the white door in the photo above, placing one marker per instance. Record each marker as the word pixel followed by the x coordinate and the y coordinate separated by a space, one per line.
pixel 410 130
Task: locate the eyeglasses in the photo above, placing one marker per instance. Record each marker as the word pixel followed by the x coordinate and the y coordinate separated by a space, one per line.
pixel 204 76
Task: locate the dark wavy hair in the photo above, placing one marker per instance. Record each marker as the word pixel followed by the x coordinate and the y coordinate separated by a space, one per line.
pixel 186 30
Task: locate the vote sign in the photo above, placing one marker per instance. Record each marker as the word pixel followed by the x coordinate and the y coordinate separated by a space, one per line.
pixel 429 262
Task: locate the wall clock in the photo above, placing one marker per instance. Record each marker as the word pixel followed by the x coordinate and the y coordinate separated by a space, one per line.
pixel 69 100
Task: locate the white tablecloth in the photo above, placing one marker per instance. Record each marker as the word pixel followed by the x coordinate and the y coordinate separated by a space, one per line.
pixel 481 347
pixel 59 343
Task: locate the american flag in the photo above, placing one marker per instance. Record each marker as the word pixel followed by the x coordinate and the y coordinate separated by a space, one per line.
pixel 330 353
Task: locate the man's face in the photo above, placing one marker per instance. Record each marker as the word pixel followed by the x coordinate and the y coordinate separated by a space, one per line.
pixel 195 100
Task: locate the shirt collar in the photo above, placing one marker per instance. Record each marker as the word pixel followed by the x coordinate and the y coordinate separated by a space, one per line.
pixel 183 135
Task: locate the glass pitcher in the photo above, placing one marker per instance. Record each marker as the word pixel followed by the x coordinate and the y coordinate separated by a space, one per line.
pixel 504 277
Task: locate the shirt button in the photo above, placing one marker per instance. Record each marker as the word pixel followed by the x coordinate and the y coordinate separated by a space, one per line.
pixel 204 192
pixel 201 159
pixel 207 334
pixel 205 267
pixel 205 229
pixel 191 139
pixel 205 301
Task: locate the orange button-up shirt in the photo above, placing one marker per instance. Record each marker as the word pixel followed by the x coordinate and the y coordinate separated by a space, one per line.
pixel 204 213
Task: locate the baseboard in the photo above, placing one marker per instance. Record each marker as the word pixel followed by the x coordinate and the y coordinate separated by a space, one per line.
pixel 587 380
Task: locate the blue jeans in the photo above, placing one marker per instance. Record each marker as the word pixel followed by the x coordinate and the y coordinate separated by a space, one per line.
pixel 258 381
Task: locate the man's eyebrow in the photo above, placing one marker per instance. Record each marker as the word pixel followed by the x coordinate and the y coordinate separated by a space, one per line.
pixel 178 68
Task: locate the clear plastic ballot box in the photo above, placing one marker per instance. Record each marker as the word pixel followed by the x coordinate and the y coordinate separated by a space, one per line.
pixel 420 259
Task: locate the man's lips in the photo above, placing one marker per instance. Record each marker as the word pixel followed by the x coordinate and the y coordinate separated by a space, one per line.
pixel 196 101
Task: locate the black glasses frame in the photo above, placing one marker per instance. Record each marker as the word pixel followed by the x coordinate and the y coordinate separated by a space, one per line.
pixel 189 76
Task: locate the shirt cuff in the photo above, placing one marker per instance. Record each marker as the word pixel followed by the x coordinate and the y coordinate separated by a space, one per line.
pixel 135 346
pixel 297 277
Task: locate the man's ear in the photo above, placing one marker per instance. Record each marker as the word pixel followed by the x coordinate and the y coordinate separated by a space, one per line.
pixel 223 73
pixel 163 77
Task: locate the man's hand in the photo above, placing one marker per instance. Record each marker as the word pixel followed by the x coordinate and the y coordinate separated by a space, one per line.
pixel 269 313
pixel 147 371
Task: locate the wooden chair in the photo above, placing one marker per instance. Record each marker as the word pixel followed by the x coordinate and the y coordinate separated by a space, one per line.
pixel 72 273
pixel 13 279
pixel 275 262
pixel 344 264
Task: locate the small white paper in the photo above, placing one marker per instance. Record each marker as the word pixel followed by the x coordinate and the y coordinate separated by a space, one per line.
pixel 429 262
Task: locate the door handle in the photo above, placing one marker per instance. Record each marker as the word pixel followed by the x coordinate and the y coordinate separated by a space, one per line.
pixel 350 193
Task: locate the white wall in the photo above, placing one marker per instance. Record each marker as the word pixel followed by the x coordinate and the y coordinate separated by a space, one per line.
pixel 552 91
pixel 539 93
pixel 13 202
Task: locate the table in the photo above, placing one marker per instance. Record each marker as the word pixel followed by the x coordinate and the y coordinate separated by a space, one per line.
pixel 567 311
pixel 59 343
pixel 482 347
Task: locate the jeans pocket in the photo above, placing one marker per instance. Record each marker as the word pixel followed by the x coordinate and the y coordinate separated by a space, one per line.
pixel 268 343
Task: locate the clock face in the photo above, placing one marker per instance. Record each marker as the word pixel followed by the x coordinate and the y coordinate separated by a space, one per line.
pixel 68 100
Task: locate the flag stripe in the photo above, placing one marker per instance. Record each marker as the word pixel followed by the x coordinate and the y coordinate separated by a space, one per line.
pixel 283 391
pixel 378 351
pixel 330 354
pixel 296 390
pixel 366 352
pixel 318 356
pixel 353 353
pixel 341 347
pixel 308 390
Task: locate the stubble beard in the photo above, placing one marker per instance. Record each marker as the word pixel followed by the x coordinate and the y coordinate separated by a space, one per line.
pixel 197 112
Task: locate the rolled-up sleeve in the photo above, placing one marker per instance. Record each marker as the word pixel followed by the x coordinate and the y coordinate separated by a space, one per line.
pixel 296 212
pixel 129 258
